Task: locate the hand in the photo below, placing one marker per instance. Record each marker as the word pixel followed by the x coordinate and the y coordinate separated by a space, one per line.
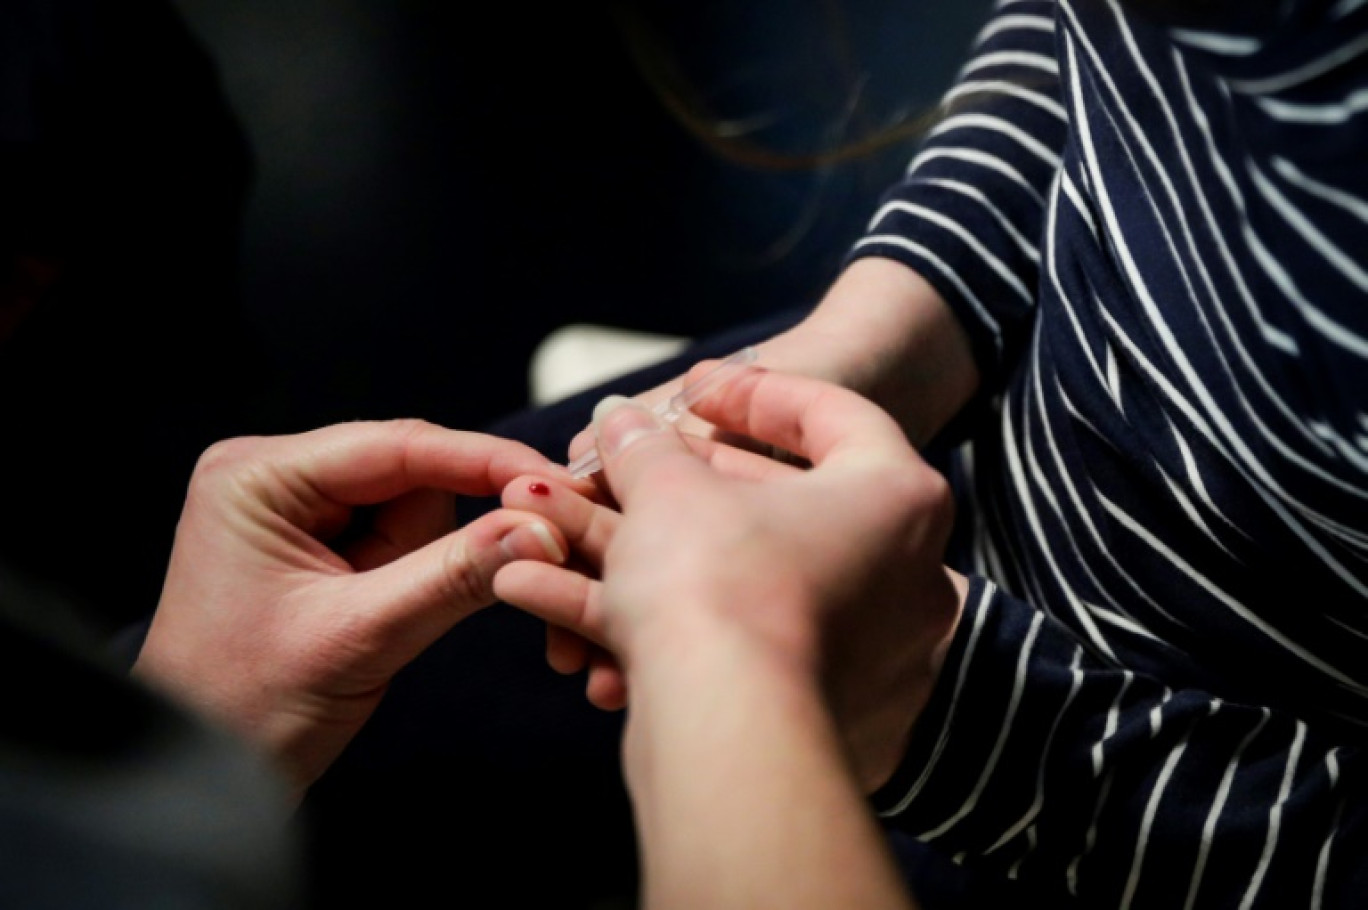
pixel 835 571
pixel 284 620
pixel 880 330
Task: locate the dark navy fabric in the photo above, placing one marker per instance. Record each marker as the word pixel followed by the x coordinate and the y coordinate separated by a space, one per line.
pixel 1157 239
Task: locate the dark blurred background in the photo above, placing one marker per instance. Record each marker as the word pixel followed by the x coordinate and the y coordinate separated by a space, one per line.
pixel 254 216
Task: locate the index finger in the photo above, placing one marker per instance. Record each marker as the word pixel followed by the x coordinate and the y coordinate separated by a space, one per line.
pixel 367 462
pixel 818 420
pixel 637 443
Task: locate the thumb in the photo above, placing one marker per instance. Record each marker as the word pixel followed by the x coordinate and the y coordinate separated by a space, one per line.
pixel 416 599
pixel 633 442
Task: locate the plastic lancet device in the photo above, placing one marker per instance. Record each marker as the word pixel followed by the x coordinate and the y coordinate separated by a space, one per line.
pixel 674 407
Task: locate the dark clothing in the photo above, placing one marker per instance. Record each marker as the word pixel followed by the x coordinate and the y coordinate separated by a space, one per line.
pixel 113 797
pixel 1158 694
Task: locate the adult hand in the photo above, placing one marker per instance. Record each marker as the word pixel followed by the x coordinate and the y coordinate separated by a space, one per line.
pixel 835 571
pixel 284 619
pixel 880 330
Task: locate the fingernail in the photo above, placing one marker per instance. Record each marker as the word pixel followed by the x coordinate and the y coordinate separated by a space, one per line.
pixel 607 404
pixel 531 541
pixel 620 421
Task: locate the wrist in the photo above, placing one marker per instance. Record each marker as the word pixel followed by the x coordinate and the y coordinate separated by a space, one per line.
pixel 883 331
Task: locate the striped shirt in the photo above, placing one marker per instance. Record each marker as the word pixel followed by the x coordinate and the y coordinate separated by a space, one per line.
pixel 1157 239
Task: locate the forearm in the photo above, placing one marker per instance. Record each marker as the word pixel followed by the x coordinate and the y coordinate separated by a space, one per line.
pixel 742 793
pixel 883 331
pixel 938 300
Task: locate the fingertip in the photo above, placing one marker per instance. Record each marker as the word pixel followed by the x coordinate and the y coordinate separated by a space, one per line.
pixel 566 652
pixel 532 540
pixel 606 688
pixel 620 421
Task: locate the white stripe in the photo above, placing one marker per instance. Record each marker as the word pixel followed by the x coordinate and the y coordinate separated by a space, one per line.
pixel 1147 822
pixel 973 156
pixel 1138 283
pixel 1083 619
pixel 1069 189
pixel 1217 43
pixel 1113 722
pixel 1222 796
pixel 976 120
pixel 980 615
pixel 1114 379
pixel 1310 70
pixel 1275 819
pixel 1344 448
pixel 1266 489
pixel 1316 114
pixel 980 87
pixel 1024 59
pixel 1197 258
pixel 1052 267
pixel 955 186
pixel 968 239
pixel 1124 623
pixel 1195 481
pixel 1323 858
pixel 1018 687
pixel 1015 869
pixel 1357 633
pixel 1226 600
pixel 1161 222
pixel 1294 419
pixel 1345 7
pixel 1034 809
pixel 1276 337
pixel 1328 328
pixel 1191 512
pixel 979 309
pixel 1270 333
pixel 1156 714
pixel 1015 22
pixel 1306 229
pixel 1273 336
pixel 1071 491
pixel 1346 201
pixel 1090 839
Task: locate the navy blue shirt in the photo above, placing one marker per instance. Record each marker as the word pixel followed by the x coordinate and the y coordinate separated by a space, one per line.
pixel 1156 237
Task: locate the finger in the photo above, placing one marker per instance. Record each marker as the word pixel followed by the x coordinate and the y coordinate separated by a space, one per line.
pixel 413 600
pixel 401 526
pixel 606 688
pixel 740 463
pixel 559 596
pixel 636 443
pixel 367 462
pixel 587 526
pixel 566 652
pixel 811 418
pixel 584 440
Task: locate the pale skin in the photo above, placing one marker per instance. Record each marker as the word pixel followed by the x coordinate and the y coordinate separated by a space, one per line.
pixel 882 331
pixel 284 620
pixel 758 646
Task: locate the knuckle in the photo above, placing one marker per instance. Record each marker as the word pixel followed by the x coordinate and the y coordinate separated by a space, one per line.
pixel 462 579
pixel 227 463
pixel 223 455
pixel 921 493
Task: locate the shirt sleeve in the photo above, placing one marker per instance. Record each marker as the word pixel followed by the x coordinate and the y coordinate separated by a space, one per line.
pixel 968 214
pixel 1041 763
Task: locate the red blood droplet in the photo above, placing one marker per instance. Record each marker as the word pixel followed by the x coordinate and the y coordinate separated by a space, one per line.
pixel 538 488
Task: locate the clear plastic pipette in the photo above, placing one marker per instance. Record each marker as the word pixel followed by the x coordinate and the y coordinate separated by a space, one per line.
pixel 674 407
